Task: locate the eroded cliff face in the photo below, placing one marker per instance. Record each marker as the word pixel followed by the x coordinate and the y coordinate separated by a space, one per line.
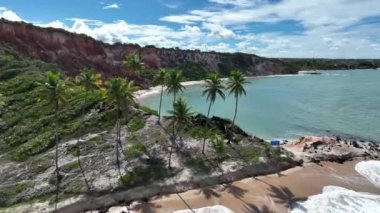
pixel 74 52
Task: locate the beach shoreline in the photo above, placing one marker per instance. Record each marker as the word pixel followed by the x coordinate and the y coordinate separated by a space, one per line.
pixel 275 192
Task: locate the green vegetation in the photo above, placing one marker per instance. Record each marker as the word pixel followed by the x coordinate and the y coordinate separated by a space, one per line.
pixel 135 150
pixel 8 193
pixel 70 166
pixel 145 174
pixel 214 87
pixel 27 119
pixel 136 123
pixel 41 108
pixel 149 110
pixel 160 78
pixel 235 85
pixel 197 165
pixel 120 92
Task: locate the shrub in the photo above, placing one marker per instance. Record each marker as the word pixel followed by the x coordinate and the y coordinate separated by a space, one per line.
pixel 135 150
pixel 136 124
pixel 197 164
pixel 149 110
pixel 70 166
pixel 218 146
pixel 145 174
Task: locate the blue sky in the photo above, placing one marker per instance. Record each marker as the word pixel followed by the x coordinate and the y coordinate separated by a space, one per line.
pixel 272 28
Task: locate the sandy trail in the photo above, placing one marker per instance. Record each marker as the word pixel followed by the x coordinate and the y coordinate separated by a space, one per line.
pixel 273 193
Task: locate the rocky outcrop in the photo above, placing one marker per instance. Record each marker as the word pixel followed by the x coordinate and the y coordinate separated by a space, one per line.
pixel 315 149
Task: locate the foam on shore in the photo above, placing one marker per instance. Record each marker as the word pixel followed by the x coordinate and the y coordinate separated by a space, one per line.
pixel 370 170
pixel 339 200
pixel 210 209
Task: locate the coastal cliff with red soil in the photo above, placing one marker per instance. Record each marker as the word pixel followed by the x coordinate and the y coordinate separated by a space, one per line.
pixel 76 51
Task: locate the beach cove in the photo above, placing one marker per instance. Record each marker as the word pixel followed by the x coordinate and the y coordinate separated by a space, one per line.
pixel 277 192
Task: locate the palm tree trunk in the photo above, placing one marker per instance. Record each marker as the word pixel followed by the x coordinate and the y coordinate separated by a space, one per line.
pixel 236 106
pixel 117 142
pixel 78 148
pixel 233 121
pixel 56 158
pixel 173 137
pixel 207 122
pixel 159 108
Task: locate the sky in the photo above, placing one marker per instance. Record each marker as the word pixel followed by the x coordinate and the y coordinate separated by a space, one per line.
pixel 270 28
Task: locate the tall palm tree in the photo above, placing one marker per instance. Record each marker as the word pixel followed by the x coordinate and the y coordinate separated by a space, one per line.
pixel 235 85
pixel 121 92
pixel 180 117
pixel 173 83
pixel 89 81
pixel 214 87
pixel 160 78
pixel 174 86
pixel 133 63
pixel 53 91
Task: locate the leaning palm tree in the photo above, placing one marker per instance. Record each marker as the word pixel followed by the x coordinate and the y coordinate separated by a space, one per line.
pixel 214 87
pixel 133 63
pixel 89 81
pixel 121 92
pixel 235 85
pixel 53 91
pixel 180 117
pixel 160 78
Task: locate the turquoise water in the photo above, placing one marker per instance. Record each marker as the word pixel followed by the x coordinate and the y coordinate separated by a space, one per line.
pixel 345 103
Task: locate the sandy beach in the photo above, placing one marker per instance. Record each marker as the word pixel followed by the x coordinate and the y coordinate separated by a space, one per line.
pixel 273 193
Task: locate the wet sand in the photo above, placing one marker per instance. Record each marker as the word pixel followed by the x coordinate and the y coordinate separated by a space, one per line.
pixel 273 193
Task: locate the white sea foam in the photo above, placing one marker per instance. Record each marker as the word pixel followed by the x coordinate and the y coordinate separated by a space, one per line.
pixel 339 200
pixel 210 209
pixel 370 170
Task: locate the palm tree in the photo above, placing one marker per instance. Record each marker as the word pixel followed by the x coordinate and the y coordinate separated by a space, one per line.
pixel 173 83
pixel 180 117
pixel 121 92
pixel 235 85
pixel 89 81
pixel 160 78
pixel 214 87
pixel 133 63
pixel 53 90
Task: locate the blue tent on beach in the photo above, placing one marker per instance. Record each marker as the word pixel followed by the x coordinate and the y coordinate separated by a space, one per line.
pixel 275 143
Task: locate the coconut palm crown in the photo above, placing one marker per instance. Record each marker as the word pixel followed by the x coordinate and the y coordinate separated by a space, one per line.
pixel 214 87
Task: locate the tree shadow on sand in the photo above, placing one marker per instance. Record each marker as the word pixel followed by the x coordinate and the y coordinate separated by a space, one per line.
pixel 252 208
pixel 236 191
pixel 283 195
pixel 147 207
pixel 208 192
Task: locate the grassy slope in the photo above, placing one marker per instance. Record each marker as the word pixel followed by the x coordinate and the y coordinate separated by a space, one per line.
pixel 26 121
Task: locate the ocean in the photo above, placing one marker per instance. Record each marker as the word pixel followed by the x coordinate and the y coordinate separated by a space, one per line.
pixel 343 103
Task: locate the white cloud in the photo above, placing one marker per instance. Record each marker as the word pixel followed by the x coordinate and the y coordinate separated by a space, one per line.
pixel 239 3
pixel 9 15
pixel 314 15
pixel 170 3
pixel 111 6
pixel 218 30
pixel 54 24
